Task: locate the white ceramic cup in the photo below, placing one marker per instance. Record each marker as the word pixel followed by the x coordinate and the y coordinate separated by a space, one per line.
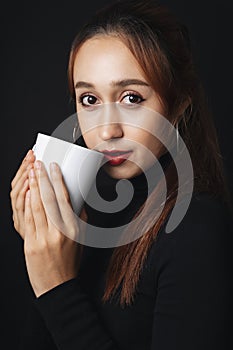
pixel 79 165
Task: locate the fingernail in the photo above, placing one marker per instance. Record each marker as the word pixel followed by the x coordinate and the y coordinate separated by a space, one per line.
pixel 37 164
pixel 54 166
pixel 28 155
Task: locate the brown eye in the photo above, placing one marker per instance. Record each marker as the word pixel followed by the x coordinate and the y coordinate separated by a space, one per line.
pixel 88 100
pixel 132 99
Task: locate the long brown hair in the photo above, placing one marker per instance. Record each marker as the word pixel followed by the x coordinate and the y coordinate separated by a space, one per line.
pixel 161 45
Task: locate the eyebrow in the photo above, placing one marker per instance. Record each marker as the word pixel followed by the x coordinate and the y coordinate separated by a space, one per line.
pixel 120 83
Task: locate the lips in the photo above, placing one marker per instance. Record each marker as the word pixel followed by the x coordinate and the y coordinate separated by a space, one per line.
pixel 116 157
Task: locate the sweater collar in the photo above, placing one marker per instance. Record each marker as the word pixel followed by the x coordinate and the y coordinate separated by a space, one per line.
pixel 142 183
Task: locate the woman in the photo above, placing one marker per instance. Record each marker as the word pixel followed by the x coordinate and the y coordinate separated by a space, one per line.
pixel 158 291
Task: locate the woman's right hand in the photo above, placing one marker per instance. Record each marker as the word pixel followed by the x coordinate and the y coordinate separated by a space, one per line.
pixel 19 187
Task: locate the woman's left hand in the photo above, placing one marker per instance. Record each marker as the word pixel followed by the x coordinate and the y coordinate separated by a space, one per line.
pixel 51 256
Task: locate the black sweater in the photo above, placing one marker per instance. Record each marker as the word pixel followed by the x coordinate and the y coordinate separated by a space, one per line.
pixel 183 299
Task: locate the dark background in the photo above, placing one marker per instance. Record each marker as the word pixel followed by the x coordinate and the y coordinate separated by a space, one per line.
pixel 36 39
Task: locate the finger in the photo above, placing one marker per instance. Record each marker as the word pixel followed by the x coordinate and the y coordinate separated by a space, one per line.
pixel 48 196
pixel 20 202
pixel 30 158
pixel 30 229
pixel 19 184
pixel 19 205
pixel 69 218
pixel 59 186
pixel 37 208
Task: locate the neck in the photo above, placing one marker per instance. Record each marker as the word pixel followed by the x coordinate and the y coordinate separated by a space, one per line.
pixel 143 184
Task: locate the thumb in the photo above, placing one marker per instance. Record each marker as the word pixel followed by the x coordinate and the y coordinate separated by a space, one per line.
pixel 83 215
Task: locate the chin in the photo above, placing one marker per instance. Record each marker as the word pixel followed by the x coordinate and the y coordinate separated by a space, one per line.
pixel 126 170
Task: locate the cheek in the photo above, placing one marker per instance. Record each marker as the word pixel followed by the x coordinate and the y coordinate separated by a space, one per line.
pixel 150 143
pixel 90 139
pixel 88 136
pixel 143 138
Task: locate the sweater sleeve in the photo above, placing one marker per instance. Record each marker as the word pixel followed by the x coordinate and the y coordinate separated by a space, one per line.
pixel 193 270
pixel 194 282
pixel 72 320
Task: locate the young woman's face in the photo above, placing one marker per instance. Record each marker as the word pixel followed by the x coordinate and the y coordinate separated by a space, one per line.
pixel 105 71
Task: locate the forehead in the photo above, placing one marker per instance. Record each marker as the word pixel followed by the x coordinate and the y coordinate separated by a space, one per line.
pixel 105 58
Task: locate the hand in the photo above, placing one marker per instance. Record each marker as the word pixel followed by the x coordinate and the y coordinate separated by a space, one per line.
pixel 51 256
pixel 19 187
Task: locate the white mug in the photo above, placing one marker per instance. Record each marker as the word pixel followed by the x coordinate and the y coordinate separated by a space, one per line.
pixel 79 165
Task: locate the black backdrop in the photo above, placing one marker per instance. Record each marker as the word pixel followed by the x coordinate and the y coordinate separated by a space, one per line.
pixel 36 42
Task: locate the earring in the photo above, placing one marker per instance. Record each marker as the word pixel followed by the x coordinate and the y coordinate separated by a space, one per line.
pixel 76 133
pixel 177 138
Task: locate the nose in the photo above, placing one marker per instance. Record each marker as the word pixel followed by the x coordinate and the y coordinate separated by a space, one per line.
pixel 110 126
pixel 110 131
